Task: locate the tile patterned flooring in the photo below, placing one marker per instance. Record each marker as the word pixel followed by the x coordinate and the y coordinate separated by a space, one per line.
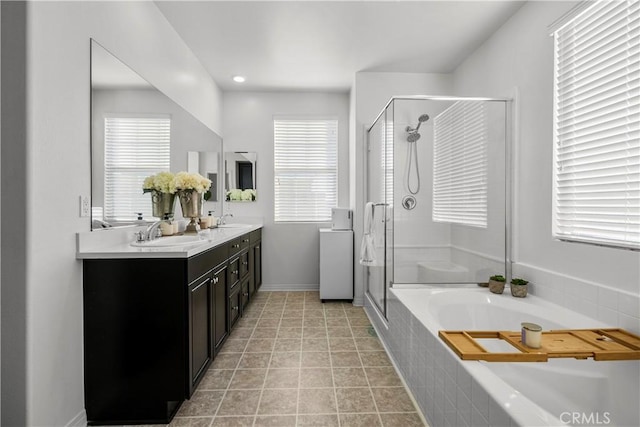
pixel 293 361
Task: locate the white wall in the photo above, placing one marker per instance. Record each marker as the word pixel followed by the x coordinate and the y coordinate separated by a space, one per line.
pixel 49 388
pixel 290 251
pixel 369 95
pixel 601 282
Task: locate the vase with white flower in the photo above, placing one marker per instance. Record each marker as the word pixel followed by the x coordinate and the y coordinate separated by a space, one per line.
pixel 163 194
pixel 191 188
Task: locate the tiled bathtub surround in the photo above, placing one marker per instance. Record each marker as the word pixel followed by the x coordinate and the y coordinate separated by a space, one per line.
pixel 451 392
pixel 291 361
pixel 614 307
pixel 446 393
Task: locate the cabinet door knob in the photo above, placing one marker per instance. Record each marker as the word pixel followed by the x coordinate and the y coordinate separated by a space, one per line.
pixel 246 294
pixel 257 247
pixel 215 280
pixel 245 262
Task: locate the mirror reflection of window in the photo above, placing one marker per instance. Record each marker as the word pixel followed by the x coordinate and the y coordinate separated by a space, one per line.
pixel 134 148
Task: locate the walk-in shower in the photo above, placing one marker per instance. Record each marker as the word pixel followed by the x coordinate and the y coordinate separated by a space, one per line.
pixel 438 189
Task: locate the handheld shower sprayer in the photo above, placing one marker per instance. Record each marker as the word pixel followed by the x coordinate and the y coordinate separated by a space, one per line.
pixel 412 154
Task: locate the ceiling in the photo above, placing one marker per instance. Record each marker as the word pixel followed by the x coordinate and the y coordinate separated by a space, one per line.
pixel 320 45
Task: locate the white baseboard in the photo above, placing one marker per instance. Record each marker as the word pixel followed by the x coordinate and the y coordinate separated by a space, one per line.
pixel 80 420
pixel 290 287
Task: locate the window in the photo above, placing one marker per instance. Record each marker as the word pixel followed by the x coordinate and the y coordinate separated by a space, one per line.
pixel 306 169
pixel 134 148
pixel 460 164
pixel 597 126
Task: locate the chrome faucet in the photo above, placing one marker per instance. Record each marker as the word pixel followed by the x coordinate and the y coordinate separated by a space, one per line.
pixel 152 231
pixel 223 218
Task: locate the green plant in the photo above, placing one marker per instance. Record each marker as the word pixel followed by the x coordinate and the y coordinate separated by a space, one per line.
pixel 516 281
pixel 498 278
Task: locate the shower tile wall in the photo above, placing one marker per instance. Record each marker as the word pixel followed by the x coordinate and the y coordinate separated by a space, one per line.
pixel 445 392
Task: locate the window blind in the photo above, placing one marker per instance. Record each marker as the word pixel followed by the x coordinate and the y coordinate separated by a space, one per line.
pixel 460 165
pixel 135 147
pixel 305 169
pixel 597 126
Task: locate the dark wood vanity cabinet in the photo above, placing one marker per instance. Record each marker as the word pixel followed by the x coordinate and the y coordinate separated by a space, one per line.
pixel 200 328
pixel 153 326
pixel 220 321
pixel 255 261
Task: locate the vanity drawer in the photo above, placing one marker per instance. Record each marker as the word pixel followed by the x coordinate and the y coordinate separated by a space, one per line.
pixel 255 236
pixel 202 263
pixel 234 272
pixel 238 244
pixel 244 264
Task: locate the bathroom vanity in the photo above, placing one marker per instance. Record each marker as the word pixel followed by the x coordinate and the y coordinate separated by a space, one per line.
pixel 155 318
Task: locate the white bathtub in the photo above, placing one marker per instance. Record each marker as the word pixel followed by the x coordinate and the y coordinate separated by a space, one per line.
pixel 553 393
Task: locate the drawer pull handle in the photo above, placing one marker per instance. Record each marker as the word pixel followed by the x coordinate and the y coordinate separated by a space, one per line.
pixel 245 240
pixel 245 262
pixel 235 308
pixel 235 246
pixel 215 280
pixel 234 272
pixel 246 294
pixel 257 247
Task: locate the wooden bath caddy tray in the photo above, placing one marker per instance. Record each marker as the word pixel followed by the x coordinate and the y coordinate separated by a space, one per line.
pixel 601 344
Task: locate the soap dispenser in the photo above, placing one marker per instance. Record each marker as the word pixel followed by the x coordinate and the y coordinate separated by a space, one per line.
pixel 213 222
pixel 140 220
pixel 166 226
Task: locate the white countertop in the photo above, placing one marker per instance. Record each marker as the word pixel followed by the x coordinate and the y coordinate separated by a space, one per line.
pixel 116 244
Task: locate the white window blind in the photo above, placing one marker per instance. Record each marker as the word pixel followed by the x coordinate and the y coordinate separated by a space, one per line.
pixel 135 147
pixel 597 126
pixel 460 164
pixel 306 169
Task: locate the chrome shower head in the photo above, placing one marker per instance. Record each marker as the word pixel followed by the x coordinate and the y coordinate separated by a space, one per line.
pixel 423 118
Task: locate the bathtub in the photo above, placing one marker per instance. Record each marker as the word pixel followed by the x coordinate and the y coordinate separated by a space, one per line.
pixel 553 393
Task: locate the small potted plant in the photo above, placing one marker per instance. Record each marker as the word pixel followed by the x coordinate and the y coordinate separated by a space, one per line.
pixel 496 284
pixel 519 287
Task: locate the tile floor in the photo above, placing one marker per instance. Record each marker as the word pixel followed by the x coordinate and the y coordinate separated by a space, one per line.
pixel 293 361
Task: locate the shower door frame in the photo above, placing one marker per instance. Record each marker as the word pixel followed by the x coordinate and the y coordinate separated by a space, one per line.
pixel 510 134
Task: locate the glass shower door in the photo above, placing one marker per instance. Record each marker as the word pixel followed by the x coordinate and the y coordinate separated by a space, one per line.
pixel 379 193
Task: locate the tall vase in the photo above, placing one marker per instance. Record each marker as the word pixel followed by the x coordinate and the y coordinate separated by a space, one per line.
pixel 163 204
pixel 191 203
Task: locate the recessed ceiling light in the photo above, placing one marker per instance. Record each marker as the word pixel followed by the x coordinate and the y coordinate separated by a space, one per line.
pixel 238 79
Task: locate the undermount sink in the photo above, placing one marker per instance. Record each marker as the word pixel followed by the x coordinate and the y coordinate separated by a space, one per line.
pixel 169 241
pixel 234 225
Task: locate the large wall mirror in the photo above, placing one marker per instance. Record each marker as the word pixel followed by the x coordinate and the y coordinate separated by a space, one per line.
pixel 240 176
pixel 137 131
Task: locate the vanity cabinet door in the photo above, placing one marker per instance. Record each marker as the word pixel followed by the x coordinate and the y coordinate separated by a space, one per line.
pixel 220 318
pixel 244 291
pixel 200 315
pixel 257 265
pixel 234 306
